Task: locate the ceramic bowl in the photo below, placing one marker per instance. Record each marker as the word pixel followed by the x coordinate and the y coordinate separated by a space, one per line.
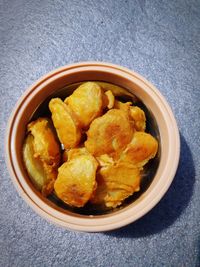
pixel 160 116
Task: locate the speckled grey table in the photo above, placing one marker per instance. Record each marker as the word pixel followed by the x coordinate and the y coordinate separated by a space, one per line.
pixel 161 41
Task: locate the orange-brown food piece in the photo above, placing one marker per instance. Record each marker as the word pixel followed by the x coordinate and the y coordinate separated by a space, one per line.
pixel 138 117
pixel 116 90
pixel 108 99
pixel 141 149
pixel 105 160
pixel 109 134
pixel 116 183
pixel 86 102
pixel 41 153
pixel 75 152
pixel 45 144
pixel 122 106
pixel 65 122
pixel 76 180
pixel 136 114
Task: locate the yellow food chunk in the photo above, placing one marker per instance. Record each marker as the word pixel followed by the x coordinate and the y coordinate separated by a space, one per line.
pixel 142 148
pixel 41 154
pixel 105 160
pixel 139 118
pixel 108 99
pixel 45 143
pixel 65 123
pixel 74 152
pixel 33 165
pixel 116 183
pixel 116 90
pixel 109 134
pixel 122 106
pixel 136 114
pixel 86 102
pixel 76 180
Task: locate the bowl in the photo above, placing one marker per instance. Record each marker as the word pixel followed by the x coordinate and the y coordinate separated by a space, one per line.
pixel 161 119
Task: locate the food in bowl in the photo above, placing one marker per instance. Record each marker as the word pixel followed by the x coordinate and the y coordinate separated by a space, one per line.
pixel 126 86
pixel 41 153
pixel 92 149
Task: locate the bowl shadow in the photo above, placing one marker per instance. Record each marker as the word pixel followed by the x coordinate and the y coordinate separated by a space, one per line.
pixel 172 204
pixel 198 253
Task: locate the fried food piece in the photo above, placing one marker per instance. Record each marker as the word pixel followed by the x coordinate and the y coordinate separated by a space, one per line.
pixel 122 106
pixel 33 165
pixel 142 148
pixel 116 183
pixel 76 180
pixel 86 102
pixel 65 123
pixel 139 118
pixel 105 160
pixel 109 134
pixel 108 99
pixel 74 152
pixel 116 90
pixel 136 114
pixel 41 154
pixel 46 145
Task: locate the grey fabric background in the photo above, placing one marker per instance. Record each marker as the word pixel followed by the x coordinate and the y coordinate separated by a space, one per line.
pixel 161 41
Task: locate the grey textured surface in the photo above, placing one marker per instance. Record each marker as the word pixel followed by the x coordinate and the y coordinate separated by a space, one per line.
pixel 161 41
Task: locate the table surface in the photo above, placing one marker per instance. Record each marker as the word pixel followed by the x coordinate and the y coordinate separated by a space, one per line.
pixel 161 41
